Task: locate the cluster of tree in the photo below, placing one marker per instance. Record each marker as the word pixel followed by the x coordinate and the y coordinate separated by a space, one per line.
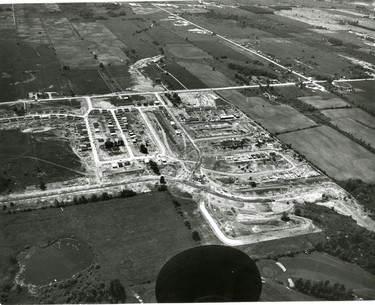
pixel 285 217
pixel 94 198
pixel 4 184
pixel 335 41
pixel 109 144
pixel 250 71
pixel 95 292
pixel 86 13
pixel 234 144
pixel 348 242
pixel 112 13
pixel 154 166
pixel 363 192
pixel 143 149
pixel 242 79
pixel 257 9
pixel 19 110
pixel 174 98
pixel 180 212
pixel 196 237
pixel 324 290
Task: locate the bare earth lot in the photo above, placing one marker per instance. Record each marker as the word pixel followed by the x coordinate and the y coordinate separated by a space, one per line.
pixel 338 156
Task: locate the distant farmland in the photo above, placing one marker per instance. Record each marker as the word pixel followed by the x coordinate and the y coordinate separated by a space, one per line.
pixel 338 156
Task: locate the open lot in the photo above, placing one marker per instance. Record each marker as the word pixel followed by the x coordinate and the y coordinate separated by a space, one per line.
pixel 27 158
pixel 338 156
pixel 355 121
pixel 126 243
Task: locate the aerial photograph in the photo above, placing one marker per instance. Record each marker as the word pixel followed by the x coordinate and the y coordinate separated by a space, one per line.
pixel 187 151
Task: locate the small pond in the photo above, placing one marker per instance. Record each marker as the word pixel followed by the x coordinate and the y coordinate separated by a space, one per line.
pixel 57 261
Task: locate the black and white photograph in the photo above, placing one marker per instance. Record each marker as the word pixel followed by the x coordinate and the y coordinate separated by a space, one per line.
pixel 156 151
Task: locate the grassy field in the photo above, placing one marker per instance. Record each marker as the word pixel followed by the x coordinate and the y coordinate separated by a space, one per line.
pixel 132 238
pixel 187 51
pixel 75 54
pixel 165 34
pixel 87 81
pixel 217 49
pixel 26 159
pixel 208 75
pixel 364 94
pixel 321 266
pixel 8 66
pixel 355 121
pixel 320 102
pixel 338 156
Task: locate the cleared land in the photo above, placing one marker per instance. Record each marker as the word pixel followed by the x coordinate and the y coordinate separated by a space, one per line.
pixel 338 156
pixel 126 243
pixel 355 121
pixel 208 74
pixel 320 102
pixel 187 51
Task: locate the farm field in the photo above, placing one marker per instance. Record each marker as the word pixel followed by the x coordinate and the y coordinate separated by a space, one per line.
pixel 279 118
pixel 184 76
pixel 26 159
pixel 275 118
pixel 363 95
pixel 219 50
pixel 355 121
pixel 338 156
pixel 207 74
pixel 110 228
pixel 124 30
pixel 320 102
